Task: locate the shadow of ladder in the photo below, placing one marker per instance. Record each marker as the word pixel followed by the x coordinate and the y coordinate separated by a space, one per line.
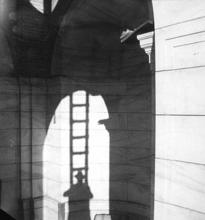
pixel 74 170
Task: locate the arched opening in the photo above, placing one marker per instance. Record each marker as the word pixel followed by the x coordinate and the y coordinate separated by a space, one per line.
pixel 76 144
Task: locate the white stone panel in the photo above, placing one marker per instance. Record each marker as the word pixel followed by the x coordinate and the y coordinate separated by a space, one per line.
pixel 181 45
pixel 181 92
pixel 181 138
pixel 168 12
pixel 181 184
pixel 170 212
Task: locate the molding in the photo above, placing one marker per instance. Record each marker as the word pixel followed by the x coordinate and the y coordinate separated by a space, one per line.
pixel 146 43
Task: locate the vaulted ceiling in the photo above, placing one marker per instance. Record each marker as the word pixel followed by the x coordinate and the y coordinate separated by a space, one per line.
pixel 34 25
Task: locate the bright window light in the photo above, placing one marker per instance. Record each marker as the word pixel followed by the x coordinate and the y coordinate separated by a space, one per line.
pixel 39 4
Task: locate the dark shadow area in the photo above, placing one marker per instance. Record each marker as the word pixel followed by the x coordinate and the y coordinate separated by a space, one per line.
pixel 119 216
pixel 27 38
pixel 82 45
pixel 31 35
pixel 5 216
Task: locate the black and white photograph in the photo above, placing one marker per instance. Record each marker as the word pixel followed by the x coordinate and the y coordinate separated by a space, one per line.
pixel 102 109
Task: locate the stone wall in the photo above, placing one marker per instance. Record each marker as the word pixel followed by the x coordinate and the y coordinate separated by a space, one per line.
pixel 179 164
pixel 22 136
pixel 9 120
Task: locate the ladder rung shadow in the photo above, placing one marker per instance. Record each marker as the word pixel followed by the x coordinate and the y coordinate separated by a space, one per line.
pixel 80 152
pixel 79 137
pixel 80 168
pixel 79 121
pixel 78 105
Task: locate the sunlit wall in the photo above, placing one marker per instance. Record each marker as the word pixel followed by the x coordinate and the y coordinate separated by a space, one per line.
pixel 180 108
pixel 57 164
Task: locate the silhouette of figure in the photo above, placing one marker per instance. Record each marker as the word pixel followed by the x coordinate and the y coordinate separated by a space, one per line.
pixel 79 195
